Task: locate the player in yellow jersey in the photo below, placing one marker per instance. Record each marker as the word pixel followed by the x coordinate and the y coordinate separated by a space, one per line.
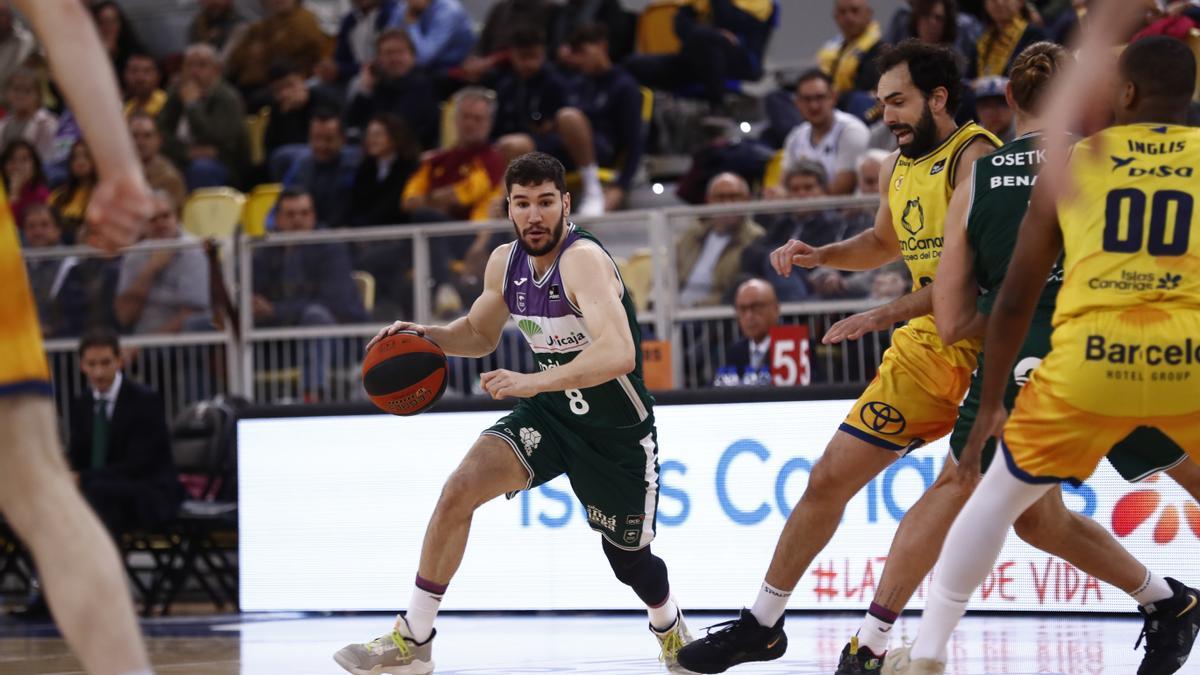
pixel 914 399
pixel 1125 357
pixel 76 560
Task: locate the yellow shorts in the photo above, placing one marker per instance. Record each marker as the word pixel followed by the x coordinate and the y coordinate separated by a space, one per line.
pixel 1129 378
pixel 914 398
pixel 23 368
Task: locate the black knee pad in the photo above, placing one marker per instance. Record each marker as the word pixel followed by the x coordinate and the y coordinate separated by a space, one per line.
pixel 641 570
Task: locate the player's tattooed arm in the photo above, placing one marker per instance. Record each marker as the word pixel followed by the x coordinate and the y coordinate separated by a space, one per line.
pixel 954 292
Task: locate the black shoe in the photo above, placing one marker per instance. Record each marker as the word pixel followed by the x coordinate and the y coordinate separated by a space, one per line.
pixel 858 660
pixel 734 642
pixel 1170 630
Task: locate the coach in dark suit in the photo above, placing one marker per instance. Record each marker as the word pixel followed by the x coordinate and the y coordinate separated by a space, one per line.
pixel 757 310
pixel 120 450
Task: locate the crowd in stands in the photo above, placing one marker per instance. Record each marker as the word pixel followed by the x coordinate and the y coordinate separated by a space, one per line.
pixel 406 111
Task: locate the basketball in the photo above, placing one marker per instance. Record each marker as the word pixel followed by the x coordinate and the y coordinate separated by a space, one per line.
pixel 405 374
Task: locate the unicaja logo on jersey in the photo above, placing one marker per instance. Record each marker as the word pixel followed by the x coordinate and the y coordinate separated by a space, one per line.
pixel 1135 508
pixel 529 328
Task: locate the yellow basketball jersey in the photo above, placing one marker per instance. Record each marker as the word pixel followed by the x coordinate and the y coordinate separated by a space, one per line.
pixel 1129 231
pixel 23 366
pixel 919 196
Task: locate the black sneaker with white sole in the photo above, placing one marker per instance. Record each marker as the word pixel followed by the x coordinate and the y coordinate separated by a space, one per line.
pixel 1170 630
pixel 732 642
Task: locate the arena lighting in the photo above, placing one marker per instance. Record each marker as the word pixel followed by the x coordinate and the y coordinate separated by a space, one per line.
pixel 745 127
pixel 657 188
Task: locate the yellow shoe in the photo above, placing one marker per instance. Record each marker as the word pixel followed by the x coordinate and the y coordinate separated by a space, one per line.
pixel 898 662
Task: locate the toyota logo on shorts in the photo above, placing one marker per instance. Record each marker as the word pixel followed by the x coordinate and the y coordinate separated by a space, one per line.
pixel 882 418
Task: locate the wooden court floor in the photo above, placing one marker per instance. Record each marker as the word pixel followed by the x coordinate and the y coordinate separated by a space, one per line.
pixel 491 644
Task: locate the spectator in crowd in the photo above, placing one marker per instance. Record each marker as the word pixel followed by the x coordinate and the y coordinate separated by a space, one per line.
pixel 532 112
pixel 868 167
pixel 65 136
pixel 709 254
pixel 1062 28
pixel 71 198
pixel 24 179
pixel 805 180
pixel 829 136
pixel 441 31
pixel 215 23
pixel 849 58
pixel 26 118
pixel 161 174
pixel 1008 31
pixel 120 450
pixel 72 294
pixel 506 18
pixel 47 276
pixel 16 43
pixel 358 34
pixel 721 40
pixel 935 22
pixel 392 84
pixel 158 291
pixel 571 15
pixel 203 122
pixel 116 34
pixel 457 183
pixel 612 101
pixel 142 92
pixel 293 104
pixel 304 284
pixel 757 310
pixel 326 172
pixel 992 109
pixel 390 156
pixel 287 31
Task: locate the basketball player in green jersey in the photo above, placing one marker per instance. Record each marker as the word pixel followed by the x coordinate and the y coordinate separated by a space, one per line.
pixel 981 231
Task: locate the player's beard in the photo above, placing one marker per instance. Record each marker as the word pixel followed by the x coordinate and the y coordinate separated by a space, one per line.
pixel 924 135
pixel 556 234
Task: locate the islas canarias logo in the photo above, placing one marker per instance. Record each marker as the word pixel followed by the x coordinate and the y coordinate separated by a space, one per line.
pixel 1139 506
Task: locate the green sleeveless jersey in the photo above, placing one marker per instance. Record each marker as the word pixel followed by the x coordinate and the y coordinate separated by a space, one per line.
pixel 1000 192
pixel 555 330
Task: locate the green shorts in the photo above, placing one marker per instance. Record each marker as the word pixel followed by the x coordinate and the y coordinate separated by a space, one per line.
pixel 1139 456
pixel 615 476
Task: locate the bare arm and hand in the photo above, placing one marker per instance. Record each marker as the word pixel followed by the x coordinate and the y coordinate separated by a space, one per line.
pixel 477 333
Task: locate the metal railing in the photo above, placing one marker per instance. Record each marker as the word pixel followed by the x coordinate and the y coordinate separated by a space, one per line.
pixel 418 271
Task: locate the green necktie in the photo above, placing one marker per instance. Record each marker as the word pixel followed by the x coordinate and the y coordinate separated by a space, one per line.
pixel 100 434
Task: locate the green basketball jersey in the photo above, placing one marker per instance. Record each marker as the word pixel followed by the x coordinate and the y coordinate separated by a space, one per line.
pixel 556 331
pixel 1000 192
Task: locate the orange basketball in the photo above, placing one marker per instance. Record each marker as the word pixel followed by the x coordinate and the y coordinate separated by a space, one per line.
pixel 405 374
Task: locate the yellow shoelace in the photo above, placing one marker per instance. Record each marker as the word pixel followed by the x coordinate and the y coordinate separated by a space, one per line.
pixel 671 644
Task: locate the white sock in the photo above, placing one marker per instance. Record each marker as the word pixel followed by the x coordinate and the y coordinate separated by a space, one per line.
pixel 663 617
pixel 422 610
pixel 1153 589
pixel 970 551
pixel 874 634
pixel 769 605
pixel 590 175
